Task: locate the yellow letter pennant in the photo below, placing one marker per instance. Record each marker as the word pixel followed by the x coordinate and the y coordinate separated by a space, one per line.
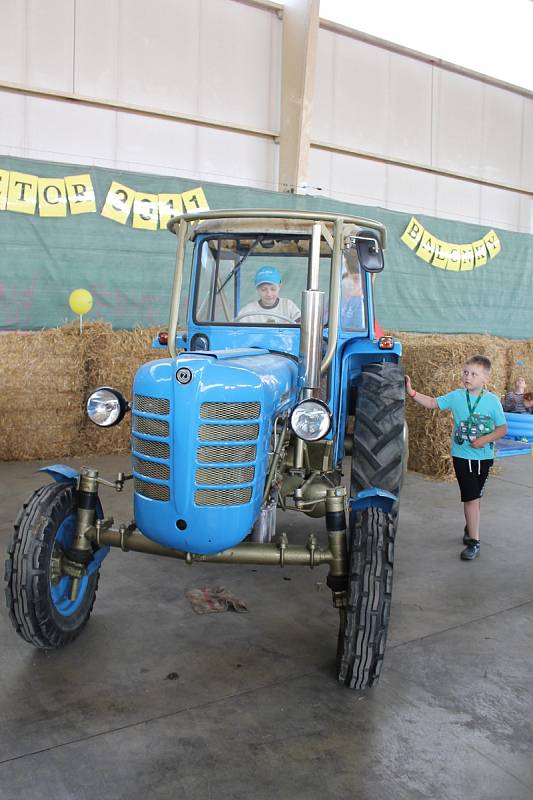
pixel 444 255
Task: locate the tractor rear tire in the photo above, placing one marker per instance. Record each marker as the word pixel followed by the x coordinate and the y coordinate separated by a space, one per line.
pixel 378 461
pixel 378 441
pixel 38 601
pixel 364 621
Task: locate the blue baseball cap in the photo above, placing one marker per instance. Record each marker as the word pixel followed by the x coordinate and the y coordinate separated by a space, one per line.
pixel 267 274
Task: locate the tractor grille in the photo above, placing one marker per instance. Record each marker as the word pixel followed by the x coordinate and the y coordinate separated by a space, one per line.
pixel 149 448
pixel 216 454
pixel 224 475
pixel 151 405
pixel 230 411
pixel 152 427
pixel 231 433
pixel 222 497
pixel 230 471
pixel 151 490
pixel 152 469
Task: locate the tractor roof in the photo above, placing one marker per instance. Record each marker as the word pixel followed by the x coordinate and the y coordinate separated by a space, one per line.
pixel 274 221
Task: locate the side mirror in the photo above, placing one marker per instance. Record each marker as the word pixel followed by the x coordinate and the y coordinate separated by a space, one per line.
pixel 369 251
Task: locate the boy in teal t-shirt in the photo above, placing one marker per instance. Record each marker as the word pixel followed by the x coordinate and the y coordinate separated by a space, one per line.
pixel 478 421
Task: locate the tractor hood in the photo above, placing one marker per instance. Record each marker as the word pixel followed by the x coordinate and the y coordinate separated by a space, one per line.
pixel 202 430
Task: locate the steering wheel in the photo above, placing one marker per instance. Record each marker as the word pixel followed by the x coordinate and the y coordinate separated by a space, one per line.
pixel 269 315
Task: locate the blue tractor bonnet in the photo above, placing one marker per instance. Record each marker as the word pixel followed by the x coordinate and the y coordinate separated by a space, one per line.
pixel 267 274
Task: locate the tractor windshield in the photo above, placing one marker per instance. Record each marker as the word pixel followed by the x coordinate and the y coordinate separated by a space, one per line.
pixel 254 280
pixel 258 280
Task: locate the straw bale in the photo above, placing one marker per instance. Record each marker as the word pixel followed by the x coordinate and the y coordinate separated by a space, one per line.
pixel 113 358
pixel 434 364
pixel 42 376
pixel 520 362
pixel 47 376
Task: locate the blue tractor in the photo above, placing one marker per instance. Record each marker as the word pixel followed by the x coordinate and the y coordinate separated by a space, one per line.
pixel 274 377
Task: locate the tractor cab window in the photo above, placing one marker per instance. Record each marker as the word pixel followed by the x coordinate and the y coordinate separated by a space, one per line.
pixel 353 308
pixel 254 280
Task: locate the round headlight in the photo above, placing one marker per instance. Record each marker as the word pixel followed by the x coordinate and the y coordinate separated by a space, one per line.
pixel 311 420
pixel 106 407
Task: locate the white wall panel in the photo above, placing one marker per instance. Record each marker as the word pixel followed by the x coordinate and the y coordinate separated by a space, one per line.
pixel 361 84
pixel 50 50
pixel 457 199
pixel 13 48
pixel 324 98
pixel 146 144
pixel 502 136
pixel 410 191
pixel 235 158
pixel 222 60
pixel 458 123
pixel 358 180
pixel 12 123
pixel 319 173
pixel 159 54
pixel 409 110
pixel 97 24
pixel 59 131
pixel 234 63
pixel 526 176
pixel 499 209
pixel 526 216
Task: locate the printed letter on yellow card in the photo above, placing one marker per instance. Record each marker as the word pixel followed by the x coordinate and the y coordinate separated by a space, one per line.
pixel 145 211
pixel 4 184
pixel 169 206
pixel 195 200
pixel 412 234
pixel 118 203
pixel 467 257
pixel 492 243
pixel 454 257
pixel 80 194
pixel 427 246
pixel 480 253
pixel 22 193
pixel 52 197
pixel 441 255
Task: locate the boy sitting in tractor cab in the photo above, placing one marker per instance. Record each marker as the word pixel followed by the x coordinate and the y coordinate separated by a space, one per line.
pixel 269 307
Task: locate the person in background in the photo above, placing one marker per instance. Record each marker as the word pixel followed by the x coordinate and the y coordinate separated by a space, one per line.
pixel 528 402
pixel 514 399
pixel 478 421
pixel 352 305
pixel 269 308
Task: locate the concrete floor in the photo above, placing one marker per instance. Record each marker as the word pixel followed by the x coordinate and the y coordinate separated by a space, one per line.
pixel 154 701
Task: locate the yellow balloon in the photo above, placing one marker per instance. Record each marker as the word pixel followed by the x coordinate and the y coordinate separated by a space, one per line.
pixel 80 301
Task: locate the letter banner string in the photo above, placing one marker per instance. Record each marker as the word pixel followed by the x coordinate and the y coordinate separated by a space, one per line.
pixel 74 194
pixel 444 255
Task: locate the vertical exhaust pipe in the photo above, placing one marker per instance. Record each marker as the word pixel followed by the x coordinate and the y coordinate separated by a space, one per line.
pixel 311 325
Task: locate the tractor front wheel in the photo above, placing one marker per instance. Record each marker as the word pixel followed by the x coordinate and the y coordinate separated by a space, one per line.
pixel 37 592
pixel 364 621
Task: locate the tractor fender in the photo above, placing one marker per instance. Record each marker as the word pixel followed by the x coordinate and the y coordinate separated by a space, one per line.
pixel 373 498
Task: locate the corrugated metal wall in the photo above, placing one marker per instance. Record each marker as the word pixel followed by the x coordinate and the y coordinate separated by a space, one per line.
pixel 219 60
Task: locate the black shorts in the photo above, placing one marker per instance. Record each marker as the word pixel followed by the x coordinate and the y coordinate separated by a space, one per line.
pixel 471 476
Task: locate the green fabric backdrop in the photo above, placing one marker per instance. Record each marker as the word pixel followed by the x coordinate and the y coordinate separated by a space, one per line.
pixel 129 271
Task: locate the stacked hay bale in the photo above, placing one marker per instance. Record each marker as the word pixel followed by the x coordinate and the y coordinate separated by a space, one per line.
pixel 520 355
pixel 47 376
pixel 435 363
pixel 43 380
pixel 112 359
